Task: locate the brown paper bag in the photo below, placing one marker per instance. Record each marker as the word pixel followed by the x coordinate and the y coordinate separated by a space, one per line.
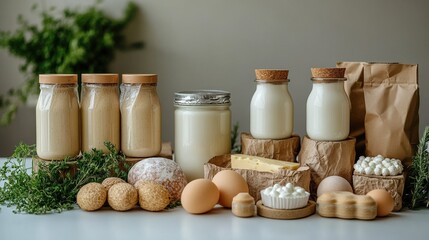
pixel 256 180
pixel 354 89
pixel 327 158
pixel 392 110
pixel 362 184
pixel 281 149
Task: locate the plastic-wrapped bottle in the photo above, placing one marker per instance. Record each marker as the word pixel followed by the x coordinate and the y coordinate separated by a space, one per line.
pixel 57 117
pixel 100 111
pixel 140 116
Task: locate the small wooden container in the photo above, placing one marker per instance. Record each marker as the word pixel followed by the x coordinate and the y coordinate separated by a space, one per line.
pixel 267 212
pixel 243 205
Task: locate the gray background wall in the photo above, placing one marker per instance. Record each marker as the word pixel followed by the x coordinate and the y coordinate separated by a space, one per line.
pixel 217 44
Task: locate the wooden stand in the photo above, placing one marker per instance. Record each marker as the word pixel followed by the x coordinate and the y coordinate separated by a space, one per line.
pixel 327 158
pixel 37 161
pixel 166 152
pixel 281 149
pixel 267 212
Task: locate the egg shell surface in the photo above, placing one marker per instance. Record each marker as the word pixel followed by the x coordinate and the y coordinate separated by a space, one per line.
pixel 199 196
pixel 384 200
pixel 229 183
pixel 333 184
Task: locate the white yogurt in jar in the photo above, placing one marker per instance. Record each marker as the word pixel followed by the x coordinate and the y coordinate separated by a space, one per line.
pixel 202 129
pixel 271 111
pixel 328 110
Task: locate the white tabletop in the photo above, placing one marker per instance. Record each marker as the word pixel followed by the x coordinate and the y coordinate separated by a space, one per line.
pixel 218 224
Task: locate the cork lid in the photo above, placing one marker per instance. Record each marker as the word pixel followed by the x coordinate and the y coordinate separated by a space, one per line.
pixel 100 78
pixel 244 198
pixel 140 78
pixel 328 72
pixel 58 78
pixel 271 75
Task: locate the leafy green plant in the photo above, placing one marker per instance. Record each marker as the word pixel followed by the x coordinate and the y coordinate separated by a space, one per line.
pixel 419 175
pixel 53 187
pixel 70 42
pixel 235 147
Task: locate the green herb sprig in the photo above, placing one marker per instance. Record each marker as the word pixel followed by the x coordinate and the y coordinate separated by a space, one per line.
pixel 235 147
pixel 419 175
pixel 54 186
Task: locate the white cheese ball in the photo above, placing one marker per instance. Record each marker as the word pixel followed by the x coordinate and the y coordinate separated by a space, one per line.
pixel 274 193
pixel 377 171
pixel 289 190
pixel 385 172
pixel 379 166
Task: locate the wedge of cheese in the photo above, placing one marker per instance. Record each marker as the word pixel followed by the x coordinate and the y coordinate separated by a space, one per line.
pixel 242 161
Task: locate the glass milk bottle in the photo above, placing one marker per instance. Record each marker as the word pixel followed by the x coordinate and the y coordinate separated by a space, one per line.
pixel 100 111
pixel 140 116
pixel 57 117
pixel 202 127
pixel 271 108
pixel 328 107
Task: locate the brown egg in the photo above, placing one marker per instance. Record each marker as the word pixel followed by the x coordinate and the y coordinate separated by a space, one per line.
pixel 199 196
pixel 229 183
pixel 384 201
pixel 333 184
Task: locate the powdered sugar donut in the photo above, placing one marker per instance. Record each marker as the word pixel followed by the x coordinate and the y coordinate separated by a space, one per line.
pixel 160 170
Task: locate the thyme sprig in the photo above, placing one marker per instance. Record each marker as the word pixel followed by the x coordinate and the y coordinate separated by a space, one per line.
pixel 54 186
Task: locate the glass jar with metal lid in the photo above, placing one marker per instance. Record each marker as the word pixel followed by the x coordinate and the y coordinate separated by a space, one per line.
pixel 140 116
pixel 57 117
pixel 328 107
pixel 100 111
pixel 202 122
pixel 271 108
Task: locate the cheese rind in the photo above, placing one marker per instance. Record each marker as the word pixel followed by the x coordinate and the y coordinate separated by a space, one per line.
pixel 261 164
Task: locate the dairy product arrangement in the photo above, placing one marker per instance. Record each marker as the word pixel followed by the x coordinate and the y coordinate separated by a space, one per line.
pixel 278 186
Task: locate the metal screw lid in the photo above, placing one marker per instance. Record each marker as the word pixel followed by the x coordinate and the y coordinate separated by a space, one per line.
pixel 202 97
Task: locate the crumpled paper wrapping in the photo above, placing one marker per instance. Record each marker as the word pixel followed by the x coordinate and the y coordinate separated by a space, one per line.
pixel 384 101
pixel 280 149
pixel 363 184
pixel 256 180
pixel 354 90
pixel 327 158
pixel 392 110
